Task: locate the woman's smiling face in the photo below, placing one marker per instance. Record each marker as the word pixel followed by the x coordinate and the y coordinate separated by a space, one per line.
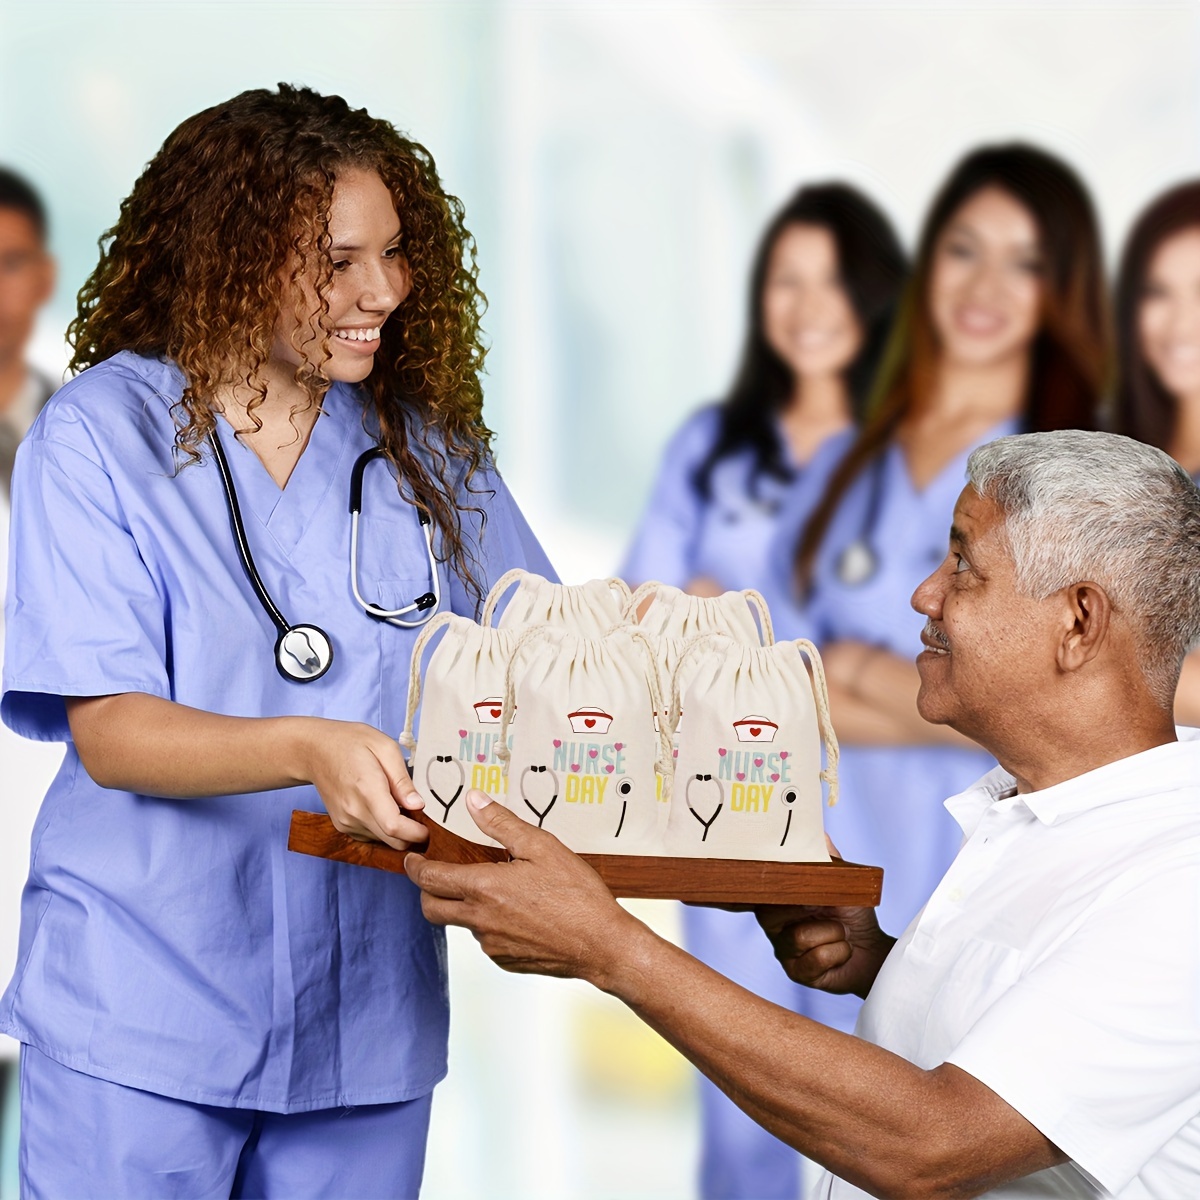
pixel 985 286
pixel 1168 318
pixel 370 280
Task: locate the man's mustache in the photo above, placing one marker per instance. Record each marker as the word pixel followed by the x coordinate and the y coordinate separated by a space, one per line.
pixel 934 634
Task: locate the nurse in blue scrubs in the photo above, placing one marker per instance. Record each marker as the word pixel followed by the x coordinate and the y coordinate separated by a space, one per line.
pixel 1158 348
pixel 283 308
pixel 1002 329
pixel 823 287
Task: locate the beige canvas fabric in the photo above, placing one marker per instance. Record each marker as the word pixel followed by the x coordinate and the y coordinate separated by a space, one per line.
pixel 673 613
pixel 748 772
pixel 587 609
pixel 585 761
pixel 461 702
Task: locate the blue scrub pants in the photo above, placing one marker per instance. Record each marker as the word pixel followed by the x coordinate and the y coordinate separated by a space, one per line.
pixel 85 1138
pixel 739 1159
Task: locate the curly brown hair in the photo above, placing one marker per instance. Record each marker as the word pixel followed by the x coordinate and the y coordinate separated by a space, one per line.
pixel 237 199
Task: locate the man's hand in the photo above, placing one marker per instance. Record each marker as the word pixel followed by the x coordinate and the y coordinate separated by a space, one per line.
pixel 833 949
pixel 546 912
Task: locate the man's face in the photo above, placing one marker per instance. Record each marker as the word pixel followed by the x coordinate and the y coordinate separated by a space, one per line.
pixel 988 649
pixel 26 280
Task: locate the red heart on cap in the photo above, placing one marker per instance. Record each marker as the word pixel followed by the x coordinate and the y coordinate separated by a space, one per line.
pixel 494 711
pixel 755 730
pixel 590 722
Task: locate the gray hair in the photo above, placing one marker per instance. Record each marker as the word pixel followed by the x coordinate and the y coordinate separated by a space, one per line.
pixel 1101 507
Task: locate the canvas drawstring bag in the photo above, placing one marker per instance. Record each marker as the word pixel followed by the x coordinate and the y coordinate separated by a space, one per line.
pixel 587 609
pixel 748 772
pixel 461 703
pixel 585 762
pixel 673 613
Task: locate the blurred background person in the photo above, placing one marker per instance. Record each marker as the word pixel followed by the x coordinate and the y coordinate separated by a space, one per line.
pixel 823 288
pixel 26 283
pixel 1158 350
pixel 1002 329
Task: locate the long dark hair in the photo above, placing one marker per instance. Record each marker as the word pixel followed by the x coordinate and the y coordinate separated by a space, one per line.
pixel 1070 353
pixel 1145 409
pixel 247 184
pixel 872 266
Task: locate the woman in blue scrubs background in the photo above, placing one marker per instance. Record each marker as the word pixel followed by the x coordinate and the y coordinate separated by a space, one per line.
pixel 1003 328
pixel 1158 347
pixel 823 287
pixel 201 1012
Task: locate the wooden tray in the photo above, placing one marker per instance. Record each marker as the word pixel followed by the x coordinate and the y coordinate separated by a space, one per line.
pixel 700 880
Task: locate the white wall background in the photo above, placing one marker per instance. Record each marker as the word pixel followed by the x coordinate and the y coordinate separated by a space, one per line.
pixel 616 160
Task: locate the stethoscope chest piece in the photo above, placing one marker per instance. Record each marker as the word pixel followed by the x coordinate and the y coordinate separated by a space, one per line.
pixel 303 653
pixel 857 563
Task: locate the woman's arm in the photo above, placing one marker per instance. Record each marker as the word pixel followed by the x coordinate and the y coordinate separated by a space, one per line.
pixel 140 743
pixel 873 699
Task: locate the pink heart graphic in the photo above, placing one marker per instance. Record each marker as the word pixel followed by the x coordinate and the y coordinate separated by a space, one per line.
pixel 783 754
pixel 609 768
pixel 574 766
pixel 774 778
pixel 741 775
pixel 722 751
pixel 674 753
pixel 593 753
pixel 557 743
pixel 462 733
pixel 481 757
pixel 618 745
pixel 758 760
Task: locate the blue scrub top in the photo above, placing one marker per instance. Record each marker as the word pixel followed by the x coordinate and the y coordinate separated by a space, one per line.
pixel 728 537
pixel 177 946
pixel 891 813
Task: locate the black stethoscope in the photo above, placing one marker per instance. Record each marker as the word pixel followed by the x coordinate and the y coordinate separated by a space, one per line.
pixel 304 652
pixel 858 563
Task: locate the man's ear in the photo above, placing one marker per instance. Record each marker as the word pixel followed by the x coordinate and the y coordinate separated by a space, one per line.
pixel 1088 617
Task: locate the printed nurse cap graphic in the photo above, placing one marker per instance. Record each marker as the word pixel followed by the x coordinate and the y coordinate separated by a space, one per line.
pixel 755 729
pixel 590 720
pixel 487 711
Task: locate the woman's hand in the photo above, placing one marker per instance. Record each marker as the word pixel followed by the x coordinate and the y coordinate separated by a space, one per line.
pixel 363 781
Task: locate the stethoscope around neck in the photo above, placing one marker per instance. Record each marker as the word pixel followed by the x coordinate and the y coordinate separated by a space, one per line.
pixel 303 651
pixel 858 562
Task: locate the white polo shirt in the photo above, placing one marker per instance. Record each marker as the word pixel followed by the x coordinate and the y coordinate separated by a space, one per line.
pixel 1058 962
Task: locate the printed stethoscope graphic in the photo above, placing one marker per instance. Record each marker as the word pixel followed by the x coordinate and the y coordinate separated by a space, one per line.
pixel 304 652
pixel 857 564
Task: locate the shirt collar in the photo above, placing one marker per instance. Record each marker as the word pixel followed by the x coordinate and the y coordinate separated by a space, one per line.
pixel 1162 768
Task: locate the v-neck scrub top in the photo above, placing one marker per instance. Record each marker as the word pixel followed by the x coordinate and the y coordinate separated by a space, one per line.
pixel 177 946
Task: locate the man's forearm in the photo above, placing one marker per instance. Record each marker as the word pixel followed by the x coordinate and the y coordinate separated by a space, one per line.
pixel 871 1117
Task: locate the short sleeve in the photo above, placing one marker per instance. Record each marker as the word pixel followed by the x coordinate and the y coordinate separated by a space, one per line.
pixel 83 614
pixel 1098 1046
pixel 664 545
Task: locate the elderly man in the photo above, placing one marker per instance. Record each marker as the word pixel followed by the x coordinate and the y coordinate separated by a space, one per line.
pixel 1036 1031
